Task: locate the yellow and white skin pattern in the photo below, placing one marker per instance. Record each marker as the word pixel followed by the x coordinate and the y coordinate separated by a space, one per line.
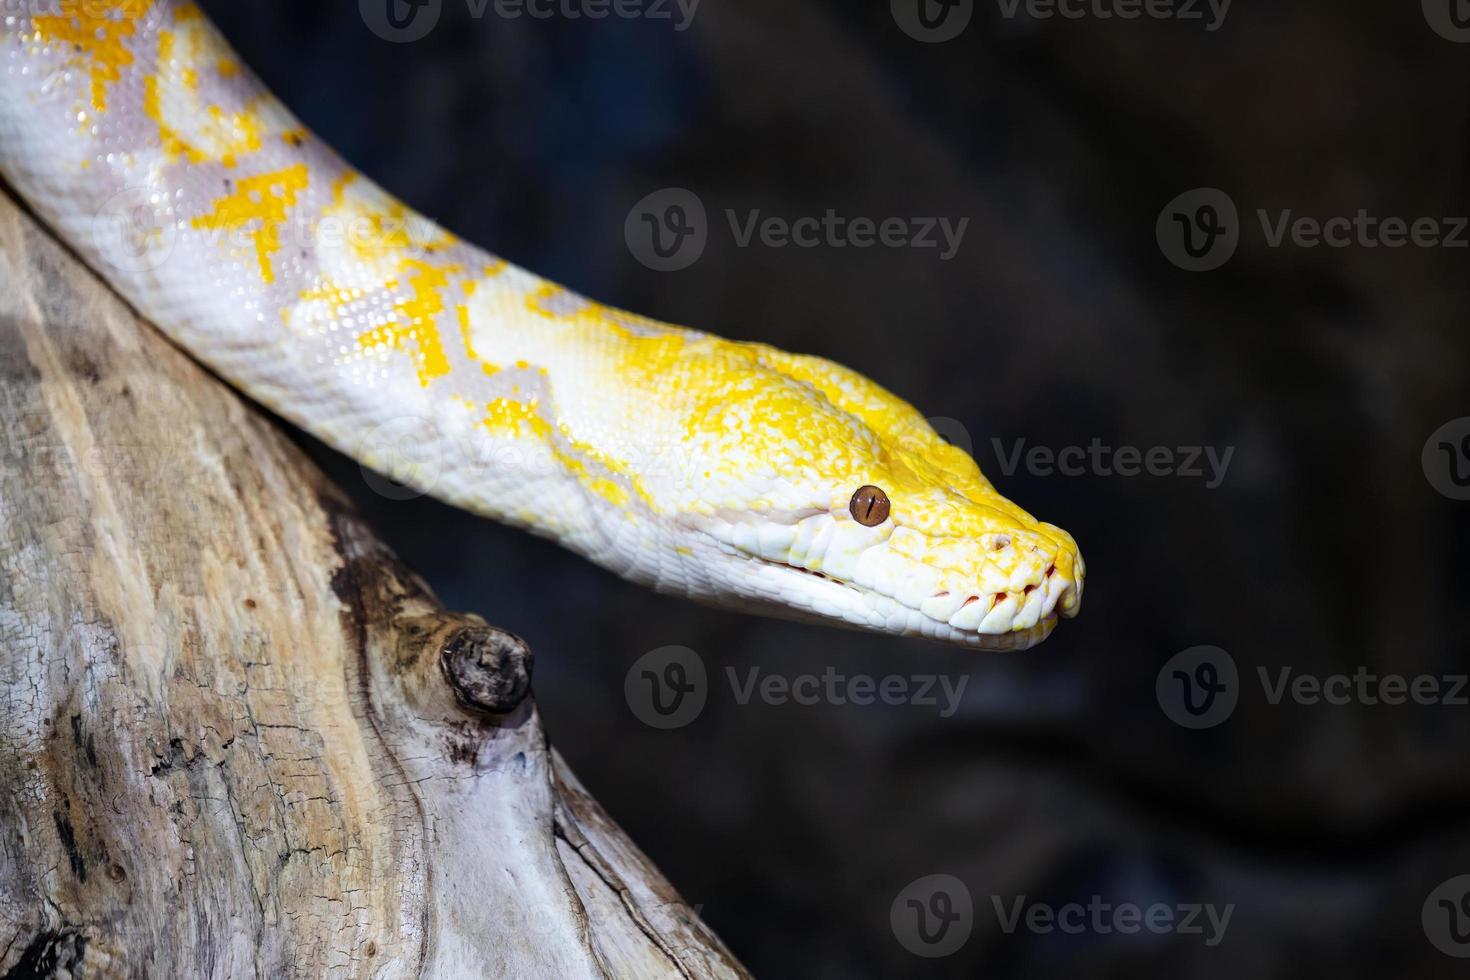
pixel 716 470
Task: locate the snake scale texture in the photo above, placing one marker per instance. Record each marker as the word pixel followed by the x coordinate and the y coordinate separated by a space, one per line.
pixel 730 473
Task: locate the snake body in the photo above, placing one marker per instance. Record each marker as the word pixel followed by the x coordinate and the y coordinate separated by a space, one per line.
pixel 722 471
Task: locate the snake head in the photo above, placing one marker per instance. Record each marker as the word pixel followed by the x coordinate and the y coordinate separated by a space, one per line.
pixel 822 496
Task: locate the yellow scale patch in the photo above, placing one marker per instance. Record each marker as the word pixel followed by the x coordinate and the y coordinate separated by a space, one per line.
pixel 386 228
pixel 379 231
pixel 95 30
pixel 510 417
pixel 463 312
pixel 259 205
pixel 417 313
pixel 379 234
pixel 514 419
pixel 218 135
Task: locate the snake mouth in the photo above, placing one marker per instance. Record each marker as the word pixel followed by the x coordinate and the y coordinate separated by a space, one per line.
pixel 1011 620
pixel 1006 592
pixel 1011 610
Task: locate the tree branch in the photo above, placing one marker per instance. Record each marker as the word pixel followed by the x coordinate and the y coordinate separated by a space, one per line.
pixel 237 737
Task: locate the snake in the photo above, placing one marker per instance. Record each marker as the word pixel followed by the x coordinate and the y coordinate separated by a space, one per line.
pixel 727 472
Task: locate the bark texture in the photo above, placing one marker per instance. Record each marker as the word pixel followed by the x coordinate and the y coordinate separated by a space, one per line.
pixel 237 737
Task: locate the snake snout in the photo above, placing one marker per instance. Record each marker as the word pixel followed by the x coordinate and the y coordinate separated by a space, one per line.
pixel 1034 579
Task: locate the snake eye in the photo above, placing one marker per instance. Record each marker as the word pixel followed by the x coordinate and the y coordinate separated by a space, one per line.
pixel 869 506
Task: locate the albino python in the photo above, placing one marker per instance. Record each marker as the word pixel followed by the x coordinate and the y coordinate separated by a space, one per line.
pixel 731 473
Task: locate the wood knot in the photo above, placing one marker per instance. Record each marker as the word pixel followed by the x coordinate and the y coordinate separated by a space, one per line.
pixel 489 669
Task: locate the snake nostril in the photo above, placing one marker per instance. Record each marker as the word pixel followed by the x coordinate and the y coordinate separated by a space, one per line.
pixel 1000 542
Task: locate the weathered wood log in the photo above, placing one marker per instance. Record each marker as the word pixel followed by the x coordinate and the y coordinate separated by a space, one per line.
pixel 237 737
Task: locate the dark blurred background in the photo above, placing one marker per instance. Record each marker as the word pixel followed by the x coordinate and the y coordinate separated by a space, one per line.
pixel 1326 548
